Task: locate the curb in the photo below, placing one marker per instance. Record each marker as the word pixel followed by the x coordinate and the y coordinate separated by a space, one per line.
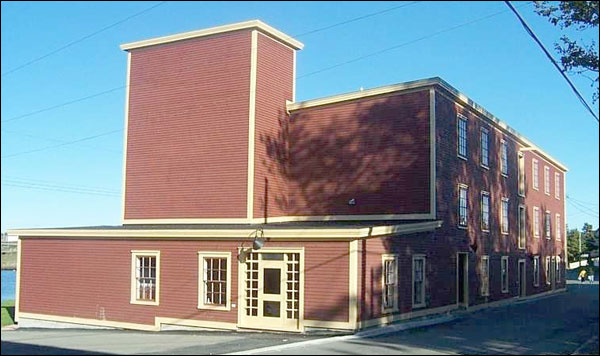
pixel 361 334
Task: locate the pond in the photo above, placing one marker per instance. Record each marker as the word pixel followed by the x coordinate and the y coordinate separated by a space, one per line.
pixel 8 284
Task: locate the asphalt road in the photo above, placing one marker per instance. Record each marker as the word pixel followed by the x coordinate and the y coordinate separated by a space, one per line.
pixel 560 324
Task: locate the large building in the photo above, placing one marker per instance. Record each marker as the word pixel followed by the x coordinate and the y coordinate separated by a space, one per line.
pixel 243 208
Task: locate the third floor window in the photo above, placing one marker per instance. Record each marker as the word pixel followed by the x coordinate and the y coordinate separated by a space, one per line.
pixel 462 136
pixel 485 156
pixel 504 157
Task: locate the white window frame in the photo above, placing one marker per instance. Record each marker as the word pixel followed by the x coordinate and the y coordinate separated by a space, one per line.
pixel 557 276
pixel 546 180
pixel 548 224
pixel 557 230
pixel 201 271
pixel 489 203
pixel 535 172
pixel 547 272
pixel 394 308
pixel 522 235
pixel 484 289
pixel 459 118
pixel 503 287
pixel 557 185
pixel 504 215
pixel 536 271
pixel 521 165
pixel 536 222
pixel 424 259
pixel 503 158
pixel 135 254
pixel 485 131
pixel 464 187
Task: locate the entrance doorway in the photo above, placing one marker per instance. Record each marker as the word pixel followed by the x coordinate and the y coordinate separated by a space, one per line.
pixel 270 284
pixel 462 280
pixel 521 276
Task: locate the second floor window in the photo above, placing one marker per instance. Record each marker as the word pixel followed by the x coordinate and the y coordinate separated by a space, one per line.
pixel 522 235
pixel 547 224
pixel 536 221
pixel 521 174
pixel 485 159
pixel 485 211
pixel 504 216
pixel 462 205
pixel 462 136
pixel 535 172
pixel 504 157
pixel 547 180
pixel 557 219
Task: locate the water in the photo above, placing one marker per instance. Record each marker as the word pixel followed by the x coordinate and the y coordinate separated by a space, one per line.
pixel 8 284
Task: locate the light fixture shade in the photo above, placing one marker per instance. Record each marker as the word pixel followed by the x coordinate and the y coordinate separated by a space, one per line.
pixel 258 243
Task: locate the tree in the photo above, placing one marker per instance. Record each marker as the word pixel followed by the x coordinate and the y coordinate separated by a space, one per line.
pixel 580 15
pixel 573 240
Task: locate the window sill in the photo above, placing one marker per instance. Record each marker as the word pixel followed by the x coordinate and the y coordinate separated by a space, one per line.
pixel 505 175
pixel 461 157
pixel 141 302
pixel 484 230
pixel 503 233
pixel 462 227
pixel 484 167
pixel 521 195
pixel 209 307
pixel 505 291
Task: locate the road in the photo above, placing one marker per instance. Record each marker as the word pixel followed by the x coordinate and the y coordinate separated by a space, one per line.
pixel 559 324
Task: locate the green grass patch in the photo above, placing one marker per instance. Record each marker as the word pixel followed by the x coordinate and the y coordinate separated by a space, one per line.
pixel 8 312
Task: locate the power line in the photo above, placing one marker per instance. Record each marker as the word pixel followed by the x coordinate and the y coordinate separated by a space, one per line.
pixel 355 19
pixel 11 132
pixel 582 207
pixel 82 39
pixel 562 71
pixel 63 104
pixel 25 186
pixel 403 44
pixel 62 144
pixel 582 202
pixel 48 184
pixel 588 213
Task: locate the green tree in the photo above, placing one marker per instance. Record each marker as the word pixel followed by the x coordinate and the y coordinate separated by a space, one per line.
pixel 573 239
pixel 576 57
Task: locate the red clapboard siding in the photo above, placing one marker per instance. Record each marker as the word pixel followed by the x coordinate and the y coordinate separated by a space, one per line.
pixel 188 129
pixel 90 278
pixel 374 150
pixel 274 85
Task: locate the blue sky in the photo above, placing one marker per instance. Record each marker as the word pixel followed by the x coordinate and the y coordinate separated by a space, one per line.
pixel 491 60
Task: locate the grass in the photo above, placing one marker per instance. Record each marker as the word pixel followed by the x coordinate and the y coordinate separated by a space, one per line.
pixel 8 312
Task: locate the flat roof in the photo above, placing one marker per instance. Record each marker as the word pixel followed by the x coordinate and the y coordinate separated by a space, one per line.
pixel 287 230
pixel 252 24
pixel 422 84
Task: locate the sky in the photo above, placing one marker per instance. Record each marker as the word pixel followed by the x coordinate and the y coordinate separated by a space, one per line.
pixel 66 51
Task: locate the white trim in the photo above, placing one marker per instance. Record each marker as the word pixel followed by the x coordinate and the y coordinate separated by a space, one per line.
pixel 213 254
pixel 564 204
pixel 505 290
pixel 486 115
pixel 277 219
pixel 432 155
pixel 245 233
pixel 18 281
pixel 395 306
pixel 134 256
pixel 293 82
pixel 423 293
pixel 252 126
pixel 253 24
pixel 125 133
pixel 353 272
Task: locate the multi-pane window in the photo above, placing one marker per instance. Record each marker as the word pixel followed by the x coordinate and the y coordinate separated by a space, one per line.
pixel 536 271
pixel 522 226
pixel 504 274
pixel 504 157
pixel 521 174
pixel 485 147
pixel 390 283
pixel 557 229
pixel 462 205
pixel 213 287
pixel 557 275
pixel 547 272
pixel 536 174
pixel 145 277
pixel 485 275
pixel 418 281
pixel 485 211
pixel 504 216
pixel 462 136
pixel 547 180
pixel 557 185
pixel 547 224
pixel 536 221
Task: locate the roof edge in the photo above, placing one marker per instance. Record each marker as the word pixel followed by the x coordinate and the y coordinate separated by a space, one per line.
pixel 252 24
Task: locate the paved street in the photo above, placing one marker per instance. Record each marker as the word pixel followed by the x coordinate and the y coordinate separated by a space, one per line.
pixel 560 324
